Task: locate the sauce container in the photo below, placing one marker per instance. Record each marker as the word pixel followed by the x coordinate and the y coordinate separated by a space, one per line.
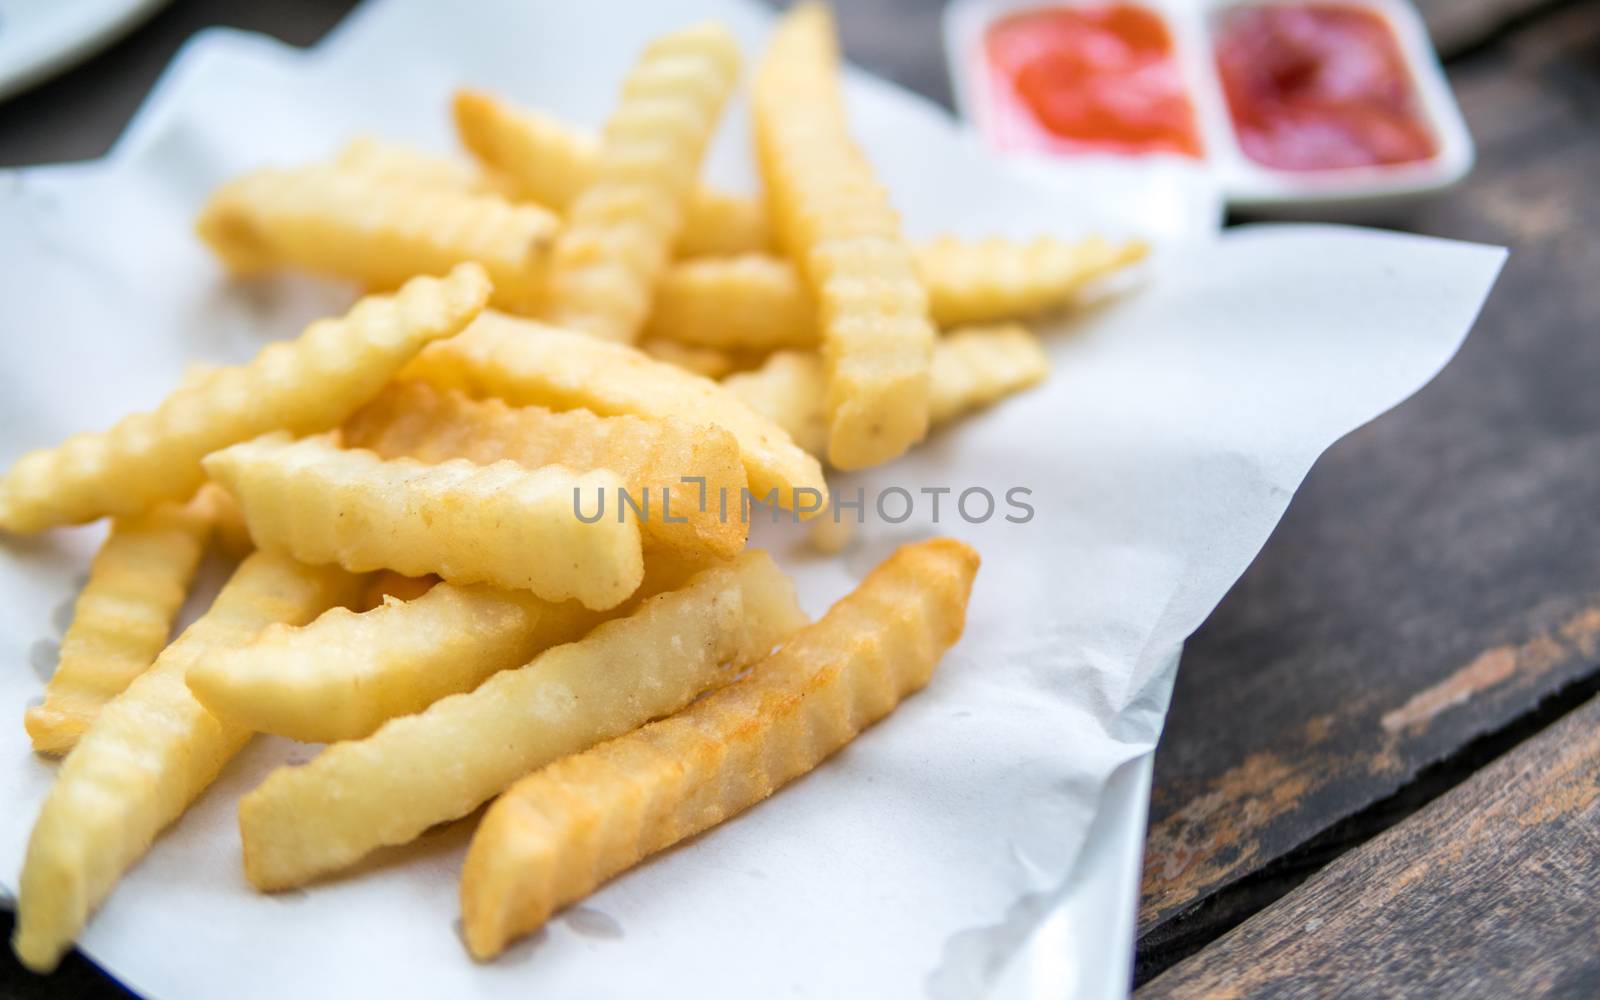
pixel 1287 104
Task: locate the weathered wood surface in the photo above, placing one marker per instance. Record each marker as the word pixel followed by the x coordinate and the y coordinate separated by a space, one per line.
pixel 79 114
pixel 1435 578
pixel 1488 892
pixel 1438 570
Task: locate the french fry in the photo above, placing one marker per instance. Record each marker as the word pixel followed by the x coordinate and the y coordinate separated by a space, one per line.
pixel 345 674
pixel 500 524
pixel 753 302
pixel 303 386
pixel 706 361
pixel 529 364
pixel 123 617
pixel 972 368
pixel 788 389
pixel 549 162
pixel 346 224
pixel 620 229
pixel 396 163
pixel 651 457
pixel 977 366
pixel 835 221
pixel 995 279
pixel 559 833
pixel 418 770
pixel 149 754
pixel 229 531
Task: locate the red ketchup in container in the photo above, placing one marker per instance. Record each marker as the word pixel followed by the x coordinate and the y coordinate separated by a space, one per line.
pixel 1088 79
pixel 1317 87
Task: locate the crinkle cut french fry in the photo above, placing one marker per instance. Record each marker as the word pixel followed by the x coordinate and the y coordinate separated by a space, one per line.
pixel 752 302
pixel 123 617
pixel 972 368
pixel 711 362
pixel 419 770
pixel 231 534
pixel 758 302
pixel 620 229
pixel 979 365
pixel 346 224
pixel 527 363
pixel 501 524
pixel 788 389
pixel 546 161
pixel 835 221
pixel 995 279
pixel 396 163
pixel 149 754
pixel 559 833
pixel 549 162
pixel 652 457
pixel 345 674
pixel 302 386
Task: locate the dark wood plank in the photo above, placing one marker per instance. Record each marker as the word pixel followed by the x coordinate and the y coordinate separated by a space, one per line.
pixel 1488 892
pixel 1457 25
pixel 1435 579
pixel 78 115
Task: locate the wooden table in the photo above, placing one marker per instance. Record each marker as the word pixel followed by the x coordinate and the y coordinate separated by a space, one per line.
pixel 1381 771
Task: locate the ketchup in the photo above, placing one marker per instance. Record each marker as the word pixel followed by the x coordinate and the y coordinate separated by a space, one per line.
pixel 1089 79
pixel 1314 87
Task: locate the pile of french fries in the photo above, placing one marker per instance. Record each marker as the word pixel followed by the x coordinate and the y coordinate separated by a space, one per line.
pixel 417 587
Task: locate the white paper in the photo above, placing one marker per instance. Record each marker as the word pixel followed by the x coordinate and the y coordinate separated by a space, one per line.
pixel 940 853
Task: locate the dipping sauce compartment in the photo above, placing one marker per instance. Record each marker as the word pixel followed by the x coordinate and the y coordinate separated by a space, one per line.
pixel 1088 79
pixel 1286 103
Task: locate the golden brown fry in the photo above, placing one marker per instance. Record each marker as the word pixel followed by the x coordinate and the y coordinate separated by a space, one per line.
pixel 122 619
pixel 835 222
pixel 651 457
pixel 980 365
pixel 756 302
pixel 549 162
pixel 231 534
pixel 706 361
pixel 148 755
pixel 419 770
pixel 788 391
pixel 752 302
pixel 302 386
pixel 620 229
pixel 995 279
pixel 971 368
pixel 559 833
pixel 500 524
pixel 347 225
pixel 396 163
pixel 345 674
pixel 526 363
